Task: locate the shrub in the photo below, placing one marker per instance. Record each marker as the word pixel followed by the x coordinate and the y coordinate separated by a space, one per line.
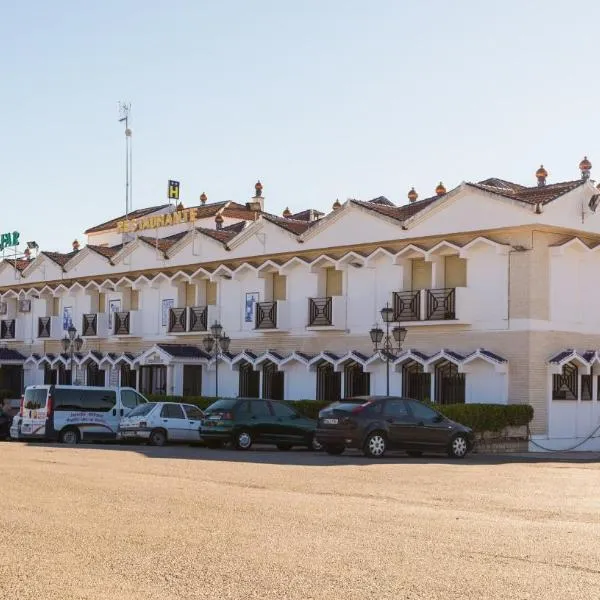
pixel 488 417
pixel 480 417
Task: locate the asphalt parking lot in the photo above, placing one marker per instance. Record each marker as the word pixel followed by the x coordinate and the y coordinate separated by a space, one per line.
pixel 95 522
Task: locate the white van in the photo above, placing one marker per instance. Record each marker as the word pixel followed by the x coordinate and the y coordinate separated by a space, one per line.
pixel 72 413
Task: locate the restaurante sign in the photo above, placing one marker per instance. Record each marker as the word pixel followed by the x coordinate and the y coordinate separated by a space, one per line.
pixel 187 215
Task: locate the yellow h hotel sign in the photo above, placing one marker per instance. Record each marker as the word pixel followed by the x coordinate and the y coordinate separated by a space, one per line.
pixel 173 193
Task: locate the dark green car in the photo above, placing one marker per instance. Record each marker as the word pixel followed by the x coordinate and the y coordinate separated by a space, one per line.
pixel 245 421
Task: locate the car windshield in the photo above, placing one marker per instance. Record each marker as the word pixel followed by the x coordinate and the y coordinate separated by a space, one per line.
pixel 142 409
pixel 221 405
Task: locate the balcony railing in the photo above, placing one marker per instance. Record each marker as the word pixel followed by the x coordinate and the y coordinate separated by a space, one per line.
pixel 441 304
pixel 198 318
pixel 425 305
pixel 266 315
pixel 44 327
pixel 407 306
pixel 121 323
pixel 320 312
pixel 177 320
pixel 8 329
pixel 89 325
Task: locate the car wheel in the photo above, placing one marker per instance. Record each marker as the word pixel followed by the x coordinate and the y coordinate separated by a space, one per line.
pixel 334 449
pixel 284 447
pixel 375 445
pixel 414 453
pixel 69 436
pixel 158 437
pixel 314 444
pixel 243 440
pixel 458 446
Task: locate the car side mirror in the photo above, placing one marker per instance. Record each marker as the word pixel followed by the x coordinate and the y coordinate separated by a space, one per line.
pixel 438 419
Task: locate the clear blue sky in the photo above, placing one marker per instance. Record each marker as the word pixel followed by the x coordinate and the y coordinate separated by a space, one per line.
pixel 319 99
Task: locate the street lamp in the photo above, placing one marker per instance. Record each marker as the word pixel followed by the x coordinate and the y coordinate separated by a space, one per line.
pixel 216 344
pixel 388 346
pixel 71 343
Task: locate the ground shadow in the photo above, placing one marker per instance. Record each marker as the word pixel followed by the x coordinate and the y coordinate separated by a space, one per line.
pixel 299 457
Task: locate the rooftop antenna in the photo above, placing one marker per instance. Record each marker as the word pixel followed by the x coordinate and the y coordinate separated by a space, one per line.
pixel 124 117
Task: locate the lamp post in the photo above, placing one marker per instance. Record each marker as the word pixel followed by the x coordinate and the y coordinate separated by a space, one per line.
pixel 215 344
pixel 388 346
pixel 71 343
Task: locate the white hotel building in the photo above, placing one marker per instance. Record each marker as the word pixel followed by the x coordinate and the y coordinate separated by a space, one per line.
pixel 494 281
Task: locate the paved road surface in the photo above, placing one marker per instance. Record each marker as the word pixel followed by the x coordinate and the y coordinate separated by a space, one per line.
pixel 177 523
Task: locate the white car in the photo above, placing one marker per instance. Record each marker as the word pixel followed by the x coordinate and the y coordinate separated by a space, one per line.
pixel 162 422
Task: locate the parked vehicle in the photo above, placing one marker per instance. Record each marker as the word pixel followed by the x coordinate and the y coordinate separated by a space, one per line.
pixel 5 424
pixel 11 406
pixel 15 427
pixel 73 413
pixel 245 421
pixel 162 422
pixel 376 424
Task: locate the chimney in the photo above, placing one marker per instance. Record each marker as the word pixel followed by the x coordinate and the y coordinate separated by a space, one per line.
pixel 287 213
pixel 219 221
pixel 541 175
pixel 27 254
pixel 203 198
pixel 585 166
pixel 337 204
pixel 257 202
pixel 75 246
pixel 412 195
pixel 440 190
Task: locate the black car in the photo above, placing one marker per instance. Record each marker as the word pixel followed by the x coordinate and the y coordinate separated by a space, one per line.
pixel 5 423
pixel 376 424
pixel 245 421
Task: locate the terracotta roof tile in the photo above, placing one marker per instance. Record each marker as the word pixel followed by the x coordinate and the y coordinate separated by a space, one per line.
pixel 533 195
pixel 502 184
pixel 239 213
pixel 106 251
pixel 235 227
pixel 19 263
pixel 400 213
pixel 163 244
pixel 295 227
pixel 310 214
pixel 221 235
pixel 59 258
pixel 382 200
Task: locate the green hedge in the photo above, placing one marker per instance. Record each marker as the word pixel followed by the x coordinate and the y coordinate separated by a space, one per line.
pixel 480 417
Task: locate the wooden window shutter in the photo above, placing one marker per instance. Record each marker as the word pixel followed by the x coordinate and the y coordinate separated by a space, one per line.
pixel 101 302
pixel 333 282
pixel 279 287
pixel 421 274
pixel 211 293
pixel 455 272
pixel 135 300
pixel 190 294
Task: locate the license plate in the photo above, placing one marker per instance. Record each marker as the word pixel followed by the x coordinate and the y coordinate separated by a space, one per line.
pixel 330 421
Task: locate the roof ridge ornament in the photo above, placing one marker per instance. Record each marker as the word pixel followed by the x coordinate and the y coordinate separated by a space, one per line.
pixel 585 166
pixel 541 175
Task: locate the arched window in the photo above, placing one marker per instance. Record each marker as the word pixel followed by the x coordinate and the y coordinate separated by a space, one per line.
pixel 564 385
pixel 415 383
pixel 449 384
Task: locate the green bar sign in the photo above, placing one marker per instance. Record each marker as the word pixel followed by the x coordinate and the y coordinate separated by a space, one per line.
pixel 9 239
